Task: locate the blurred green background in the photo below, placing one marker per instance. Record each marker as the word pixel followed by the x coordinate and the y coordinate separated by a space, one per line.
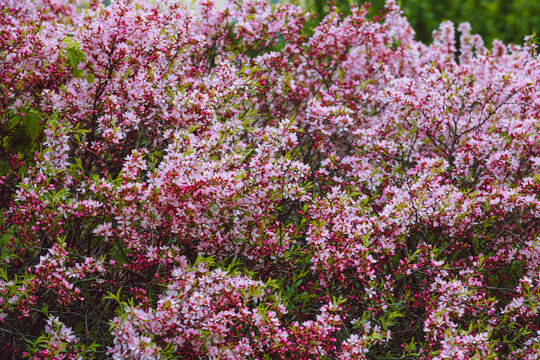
pixel 507 20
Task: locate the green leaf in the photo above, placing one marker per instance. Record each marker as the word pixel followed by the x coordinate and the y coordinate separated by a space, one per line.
pixel 90 78
pixel 74 56
pixel 32 126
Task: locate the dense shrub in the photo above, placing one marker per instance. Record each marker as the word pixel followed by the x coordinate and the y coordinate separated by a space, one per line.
pixel 218 184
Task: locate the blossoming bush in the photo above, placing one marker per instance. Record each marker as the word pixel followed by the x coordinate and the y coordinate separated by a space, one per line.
pixel 217 184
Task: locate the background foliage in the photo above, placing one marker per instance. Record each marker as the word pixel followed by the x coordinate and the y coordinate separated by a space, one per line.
pixel 509 21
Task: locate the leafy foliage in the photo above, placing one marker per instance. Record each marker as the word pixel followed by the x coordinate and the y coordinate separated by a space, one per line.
pixel 509 21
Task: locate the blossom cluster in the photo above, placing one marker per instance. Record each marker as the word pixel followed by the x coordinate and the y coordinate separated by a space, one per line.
pixel 226 183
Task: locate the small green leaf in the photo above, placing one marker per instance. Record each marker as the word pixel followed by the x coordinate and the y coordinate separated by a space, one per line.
pixel 74 56
pixel 32 125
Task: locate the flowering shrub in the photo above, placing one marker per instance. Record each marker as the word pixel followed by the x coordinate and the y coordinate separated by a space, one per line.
pixel 216 183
